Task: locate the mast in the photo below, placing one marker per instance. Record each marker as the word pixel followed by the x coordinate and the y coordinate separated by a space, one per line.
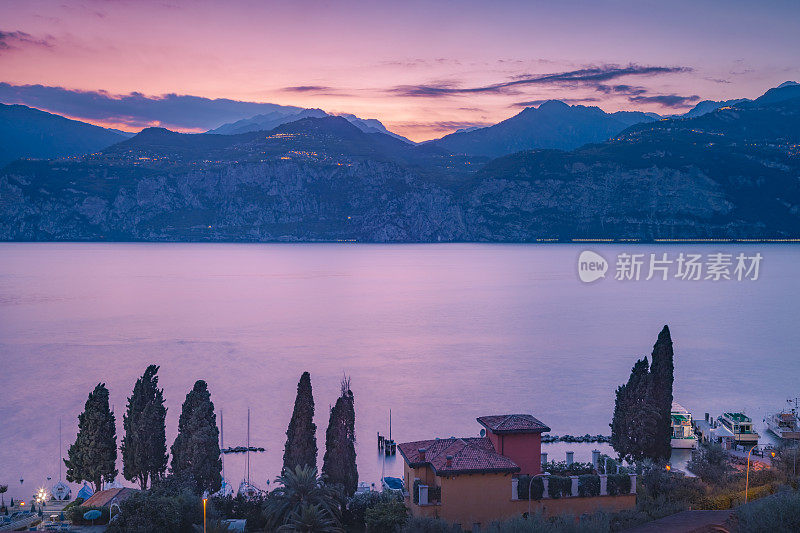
pixel 222 443
pixel 248 447
pixel 59 449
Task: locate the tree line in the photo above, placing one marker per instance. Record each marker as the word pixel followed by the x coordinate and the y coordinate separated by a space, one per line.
pixel 195 453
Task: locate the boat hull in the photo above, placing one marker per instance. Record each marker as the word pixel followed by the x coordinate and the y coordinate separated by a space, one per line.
pixel 683 444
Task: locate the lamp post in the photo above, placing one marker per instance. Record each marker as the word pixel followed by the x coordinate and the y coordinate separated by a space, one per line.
pixel 205 501
pixel 747 475
pixel 530 488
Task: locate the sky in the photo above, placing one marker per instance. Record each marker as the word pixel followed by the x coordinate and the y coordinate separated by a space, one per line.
pixel 423 68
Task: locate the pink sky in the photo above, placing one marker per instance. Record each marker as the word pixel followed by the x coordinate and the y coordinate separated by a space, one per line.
pixel 358 53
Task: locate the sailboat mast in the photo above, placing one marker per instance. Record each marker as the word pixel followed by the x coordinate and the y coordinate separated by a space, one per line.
pixel 222 442
pixel 248 446
pixel 59 449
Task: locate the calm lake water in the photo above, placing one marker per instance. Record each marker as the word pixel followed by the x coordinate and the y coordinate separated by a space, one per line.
pixel 440 334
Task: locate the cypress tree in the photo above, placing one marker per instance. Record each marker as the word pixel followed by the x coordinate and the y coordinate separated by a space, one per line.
pixel 195 452
pixel 662 371
pixel 339 462
pixel 93 456
pixel 144 446
pixel 301 436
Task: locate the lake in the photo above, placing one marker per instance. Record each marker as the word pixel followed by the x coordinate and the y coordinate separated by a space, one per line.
pixel 439 334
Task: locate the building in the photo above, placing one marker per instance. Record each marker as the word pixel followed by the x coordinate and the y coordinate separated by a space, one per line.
pixel 473 481
pixel 109 497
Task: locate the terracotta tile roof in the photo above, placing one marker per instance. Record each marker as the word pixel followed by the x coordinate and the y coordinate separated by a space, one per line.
pixel 512 424
pixel 471 455
pixel 103 498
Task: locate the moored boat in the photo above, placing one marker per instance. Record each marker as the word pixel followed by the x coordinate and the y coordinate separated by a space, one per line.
pixel 682 432
pixel 785 425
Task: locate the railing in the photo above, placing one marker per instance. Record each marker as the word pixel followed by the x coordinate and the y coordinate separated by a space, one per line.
pixel 589 485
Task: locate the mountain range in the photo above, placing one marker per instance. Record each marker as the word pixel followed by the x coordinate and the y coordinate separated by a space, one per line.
pixel 733 172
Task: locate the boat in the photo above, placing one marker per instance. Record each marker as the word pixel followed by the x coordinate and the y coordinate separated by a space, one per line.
pixel 741 426
pixel 682 432
pixel 246 488
pixel 392 484
pixel 785 425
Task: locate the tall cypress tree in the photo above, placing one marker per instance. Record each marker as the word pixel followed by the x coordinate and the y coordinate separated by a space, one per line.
pixel 641 425
pixel 301 436
pixel 662 371
pixel 339 462
pixel 195 452
pixel 93 456
pixel 144 446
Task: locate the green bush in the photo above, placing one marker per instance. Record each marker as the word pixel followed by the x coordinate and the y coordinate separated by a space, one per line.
pixel 779 512
pixel 429 525
pixel 70 505
pixel 559 486
pixel 386 517
pixel 537 487
pixel 711 463
pixel 561 468
pixel 75 515
pixel 354 516
pixel 618 484
pixel 594 523
pixel 588 485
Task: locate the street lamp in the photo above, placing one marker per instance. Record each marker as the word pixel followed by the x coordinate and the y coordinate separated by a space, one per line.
pixel 747 475
pixel 205 501
pixel 530 488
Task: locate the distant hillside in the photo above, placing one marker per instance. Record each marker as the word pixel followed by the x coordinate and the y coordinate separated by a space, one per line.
pixel 707 106
pixel 28 132
pixel 272 120
pixel 553 124
pixel 730 173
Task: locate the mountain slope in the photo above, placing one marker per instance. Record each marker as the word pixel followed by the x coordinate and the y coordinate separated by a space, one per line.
pixel 727 174
pixel 553 124
pixel 731 173
pixel 270 121
pixel 29 132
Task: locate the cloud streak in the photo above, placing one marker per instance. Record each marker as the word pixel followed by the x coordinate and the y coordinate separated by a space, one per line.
pixel 585 77
pixel 13 40
pixel 136 109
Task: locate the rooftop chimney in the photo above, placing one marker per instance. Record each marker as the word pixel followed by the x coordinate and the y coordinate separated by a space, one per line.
pixel 422 454
pixel 449 461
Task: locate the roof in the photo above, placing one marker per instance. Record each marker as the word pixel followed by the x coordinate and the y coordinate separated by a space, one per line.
pixel 738 417
pixel 512 424
pixel 104 498
pixel 470 455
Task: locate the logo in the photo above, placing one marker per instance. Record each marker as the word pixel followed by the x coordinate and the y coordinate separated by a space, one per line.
pixel 591 266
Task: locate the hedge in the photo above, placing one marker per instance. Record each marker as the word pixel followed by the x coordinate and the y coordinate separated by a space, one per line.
pixel 537 487
pixel 588 485
pixel 559 486
pixel 618 484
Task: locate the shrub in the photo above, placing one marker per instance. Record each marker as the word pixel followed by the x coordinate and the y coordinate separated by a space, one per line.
pixel 70 505
pixel 537 487
pixel 355 514
pixel 779 512
pixel 561 468
pixel 75 515
pixel 618 484
pixel 559 486
pixel 588 485
pixel 711 463
pixel 594 523
pixel 239 507
pixel 386 517
pixel 429 525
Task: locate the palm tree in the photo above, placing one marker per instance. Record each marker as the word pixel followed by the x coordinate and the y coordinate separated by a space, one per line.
pixel 310 518
pixel 300 487
pixel 3 489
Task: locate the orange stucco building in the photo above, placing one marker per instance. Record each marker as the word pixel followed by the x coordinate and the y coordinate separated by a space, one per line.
pixel 472 481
